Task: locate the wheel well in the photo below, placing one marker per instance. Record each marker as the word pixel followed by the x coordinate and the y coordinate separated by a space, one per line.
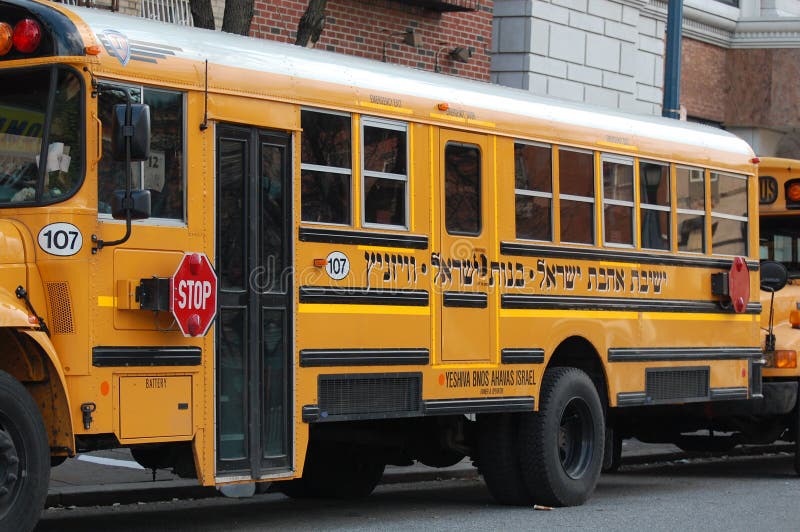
pixel 577 352
pixel 22 358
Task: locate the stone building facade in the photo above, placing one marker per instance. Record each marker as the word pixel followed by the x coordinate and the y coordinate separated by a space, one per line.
pixel 738 70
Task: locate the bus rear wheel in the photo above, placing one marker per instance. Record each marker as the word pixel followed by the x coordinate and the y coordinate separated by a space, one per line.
pixel 561 445
pixel 24 457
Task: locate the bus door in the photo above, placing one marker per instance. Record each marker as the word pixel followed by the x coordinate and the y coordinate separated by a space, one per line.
pixel 253 332
pixel 463 267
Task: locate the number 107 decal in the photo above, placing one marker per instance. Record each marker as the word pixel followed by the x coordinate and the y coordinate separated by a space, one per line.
pixel 62 239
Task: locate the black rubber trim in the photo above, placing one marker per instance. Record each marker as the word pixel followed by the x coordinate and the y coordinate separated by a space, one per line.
pixel 660 354
pixel 724 394
pixel 479 406
pixel 715 394
pixel 522 356
pixel 465 299
pixel 363 238
pixel 528 301
pixel 364 296
pixel 311 413
pixel 611 255
pixel 109 356
pixel 631 399
pixel 315 358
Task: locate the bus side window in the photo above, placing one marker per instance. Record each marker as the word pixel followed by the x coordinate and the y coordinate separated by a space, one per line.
pixel 576 193
pixel 326 167
pixel 384 172
pixel 654 205
pixel 691 190
pixel 462 189
pixel 728 214
pixel 618 218
pixel 533 191
pixel 163 172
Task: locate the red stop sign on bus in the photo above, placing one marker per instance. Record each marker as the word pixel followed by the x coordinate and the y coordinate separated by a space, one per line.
pixel 193 290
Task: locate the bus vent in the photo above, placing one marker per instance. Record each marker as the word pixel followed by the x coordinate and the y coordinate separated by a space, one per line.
pixel 60 308
pixel 369 396
pixel 671 384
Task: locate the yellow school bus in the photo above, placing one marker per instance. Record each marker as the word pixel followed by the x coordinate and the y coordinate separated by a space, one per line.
pixel 779 233
pixel 254 262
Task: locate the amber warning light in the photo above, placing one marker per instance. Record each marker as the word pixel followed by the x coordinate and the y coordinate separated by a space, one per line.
pixel 24 38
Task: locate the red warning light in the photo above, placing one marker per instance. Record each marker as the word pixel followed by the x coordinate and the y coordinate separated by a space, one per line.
pixel 27 35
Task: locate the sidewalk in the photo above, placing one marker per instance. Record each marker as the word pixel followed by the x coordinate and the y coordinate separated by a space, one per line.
pixel 107 477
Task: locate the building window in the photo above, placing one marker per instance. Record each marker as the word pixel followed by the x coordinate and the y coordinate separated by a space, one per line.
pixel 384 171
pixel 462 164
pixel 576 195
pixel 654 205
pixel 618 219
pixel 728 214
pixel 691 191
pixel 533 191
pixel 163 173
pixel 326 167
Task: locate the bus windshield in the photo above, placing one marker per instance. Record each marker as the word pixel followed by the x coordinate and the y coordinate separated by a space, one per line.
pixel 780 241
pixel 40 120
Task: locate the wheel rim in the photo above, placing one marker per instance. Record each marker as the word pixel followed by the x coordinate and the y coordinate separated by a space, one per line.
pixel 575 438
pixel 10 466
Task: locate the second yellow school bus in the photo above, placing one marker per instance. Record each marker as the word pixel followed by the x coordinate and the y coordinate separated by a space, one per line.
pixel 779 240
pixel 408 267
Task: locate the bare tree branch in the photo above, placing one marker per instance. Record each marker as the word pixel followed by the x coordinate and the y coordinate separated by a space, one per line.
pixel 202 13
pixel 311 23
pixel 238 16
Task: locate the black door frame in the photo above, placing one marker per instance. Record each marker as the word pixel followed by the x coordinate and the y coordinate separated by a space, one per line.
pixel 258 299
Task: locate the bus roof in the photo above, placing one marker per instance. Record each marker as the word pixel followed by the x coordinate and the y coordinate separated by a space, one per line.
pixel 363 75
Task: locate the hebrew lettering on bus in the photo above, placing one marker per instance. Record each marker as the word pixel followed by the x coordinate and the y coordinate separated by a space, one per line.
pixel 642 281
pixel 568 273
pixel 606 279
pixel 396 268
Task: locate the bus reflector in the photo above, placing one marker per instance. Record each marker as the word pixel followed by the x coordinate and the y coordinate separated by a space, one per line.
pixel 5 38
pixel 794 319
pixel 320 263
pixel 785 358
pixel 793 192
pixel 27 35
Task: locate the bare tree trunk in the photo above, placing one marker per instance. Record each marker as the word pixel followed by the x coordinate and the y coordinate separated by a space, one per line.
pixel 311 23
pixel 238 16
pixel 202 13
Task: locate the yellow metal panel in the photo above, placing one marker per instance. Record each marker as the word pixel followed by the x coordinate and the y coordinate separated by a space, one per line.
pixel 155 406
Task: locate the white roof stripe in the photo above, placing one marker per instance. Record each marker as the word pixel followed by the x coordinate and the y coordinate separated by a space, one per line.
pixel 279 58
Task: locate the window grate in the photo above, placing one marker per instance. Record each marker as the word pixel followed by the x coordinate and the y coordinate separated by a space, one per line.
pixel 369 396
pixel 172 11
pixel 677 383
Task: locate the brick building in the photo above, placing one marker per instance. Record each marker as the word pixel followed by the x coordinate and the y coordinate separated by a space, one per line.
pixel 448 36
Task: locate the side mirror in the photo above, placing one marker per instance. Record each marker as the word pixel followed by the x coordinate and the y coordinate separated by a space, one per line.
pixel 138 130
pixel 774 275
pixel 140 205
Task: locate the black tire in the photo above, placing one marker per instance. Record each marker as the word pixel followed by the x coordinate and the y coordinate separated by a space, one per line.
pixel 335 471
pixel 498 459
pixel 24 457
pixel 561 445
pixel 797 437
pixel 612 457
